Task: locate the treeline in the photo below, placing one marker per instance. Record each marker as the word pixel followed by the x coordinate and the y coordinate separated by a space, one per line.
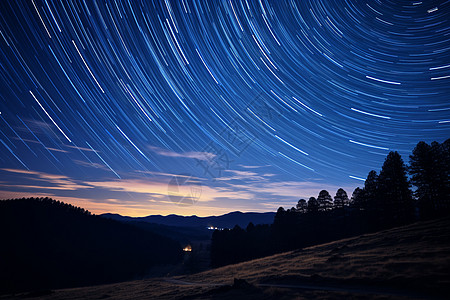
pixel 48 244
pixel 386 200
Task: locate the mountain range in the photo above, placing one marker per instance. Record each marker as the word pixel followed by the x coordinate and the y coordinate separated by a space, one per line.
pixel 228 220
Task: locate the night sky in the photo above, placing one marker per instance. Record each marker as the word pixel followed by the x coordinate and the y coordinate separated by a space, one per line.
pixel 208 107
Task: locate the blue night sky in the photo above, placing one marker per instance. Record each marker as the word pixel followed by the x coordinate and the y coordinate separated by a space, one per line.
pixel 208 107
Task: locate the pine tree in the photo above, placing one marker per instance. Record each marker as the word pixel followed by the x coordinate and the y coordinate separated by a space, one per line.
pixel 393 191
pixel 313 205
pixel 357 199
pixel 325 201
pixel 302 206
pixel 441 163
pixel 430 171
pixel 341 199
pixel 372 202
pixel 421 169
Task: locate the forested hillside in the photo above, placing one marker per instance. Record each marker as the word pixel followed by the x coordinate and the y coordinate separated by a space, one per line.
pixel 50 244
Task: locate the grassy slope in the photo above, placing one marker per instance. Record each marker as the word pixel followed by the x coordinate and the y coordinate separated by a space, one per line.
pixel 400 263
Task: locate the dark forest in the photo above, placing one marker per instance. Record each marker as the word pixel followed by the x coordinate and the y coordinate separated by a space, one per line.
pixel 387 200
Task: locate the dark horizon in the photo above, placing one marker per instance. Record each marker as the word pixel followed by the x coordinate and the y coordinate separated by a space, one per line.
pixel 202 107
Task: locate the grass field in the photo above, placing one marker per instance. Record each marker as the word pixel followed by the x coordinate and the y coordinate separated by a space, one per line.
pixel 410 262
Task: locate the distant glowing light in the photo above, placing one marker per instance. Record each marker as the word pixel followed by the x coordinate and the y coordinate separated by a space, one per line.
pixel 213 228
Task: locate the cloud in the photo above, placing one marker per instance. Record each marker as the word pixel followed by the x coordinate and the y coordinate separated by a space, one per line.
pixel 56 150
pixel 147 192
pixel 81 148
pixel 191 154
pixel 133 197
pixel 25 140
pixel 47 181
pixel 162 189
pixel 153 173
pixel 36 126
pixel 128 208
pixel 278 190
pixel 91 164
pixel 253 167
pixel 241 175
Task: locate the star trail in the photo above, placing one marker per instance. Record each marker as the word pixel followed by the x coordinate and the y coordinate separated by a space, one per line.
pixel 260 103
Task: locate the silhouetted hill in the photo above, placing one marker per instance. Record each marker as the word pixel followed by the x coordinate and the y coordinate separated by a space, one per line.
pixel 224 221
pixel 50 244
pixel 409 262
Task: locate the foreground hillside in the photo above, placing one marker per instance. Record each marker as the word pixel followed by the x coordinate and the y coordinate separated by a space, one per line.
pixel 48 244
pixel 410 262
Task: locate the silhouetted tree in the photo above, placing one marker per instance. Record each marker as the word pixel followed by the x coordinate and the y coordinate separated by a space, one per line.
pixel 429 169
pixel 371 200
pixel 302 206
pixel 250 227
pixel 279 216
pixel 393 191
pixel 341 199
pixel 422 171
pixel 385 201
pixel 325 201
pixel 444 172
pixel 313 205
pixel 357 199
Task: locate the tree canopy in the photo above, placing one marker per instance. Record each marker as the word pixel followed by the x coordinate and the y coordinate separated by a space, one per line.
pixel 385 200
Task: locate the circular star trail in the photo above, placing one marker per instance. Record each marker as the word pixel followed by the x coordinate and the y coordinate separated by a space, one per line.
pixel 309 90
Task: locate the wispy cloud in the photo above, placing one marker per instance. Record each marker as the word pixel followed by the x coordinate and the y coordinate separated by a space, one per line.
pixel 56 150
pixel 241 175
pixel 47 181
pixel 81 148
pixel 145 193
pixel 190 154
pixel 290 189
pixel 153 173
pixel 161 189
pixel 133 196
pixel 253 167
pixel 90 164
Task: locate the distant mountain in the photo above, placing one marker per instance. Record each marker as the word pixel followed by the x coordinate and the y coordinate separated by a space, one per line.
pixel 224 221
pixel 194 231
pixel 48 244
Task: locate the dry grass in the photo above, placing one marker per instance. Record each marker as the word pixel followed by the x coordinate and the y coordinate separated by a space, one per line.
pixel 402 263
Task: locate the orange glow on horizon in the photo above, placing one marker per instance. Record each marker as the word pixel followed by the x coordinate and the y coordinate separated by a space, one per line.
pixel 135 210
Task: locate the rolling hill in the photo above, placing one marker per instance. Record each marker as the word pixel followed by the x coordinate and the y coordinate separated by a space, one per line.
pixel 409 262
pixel 50 244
